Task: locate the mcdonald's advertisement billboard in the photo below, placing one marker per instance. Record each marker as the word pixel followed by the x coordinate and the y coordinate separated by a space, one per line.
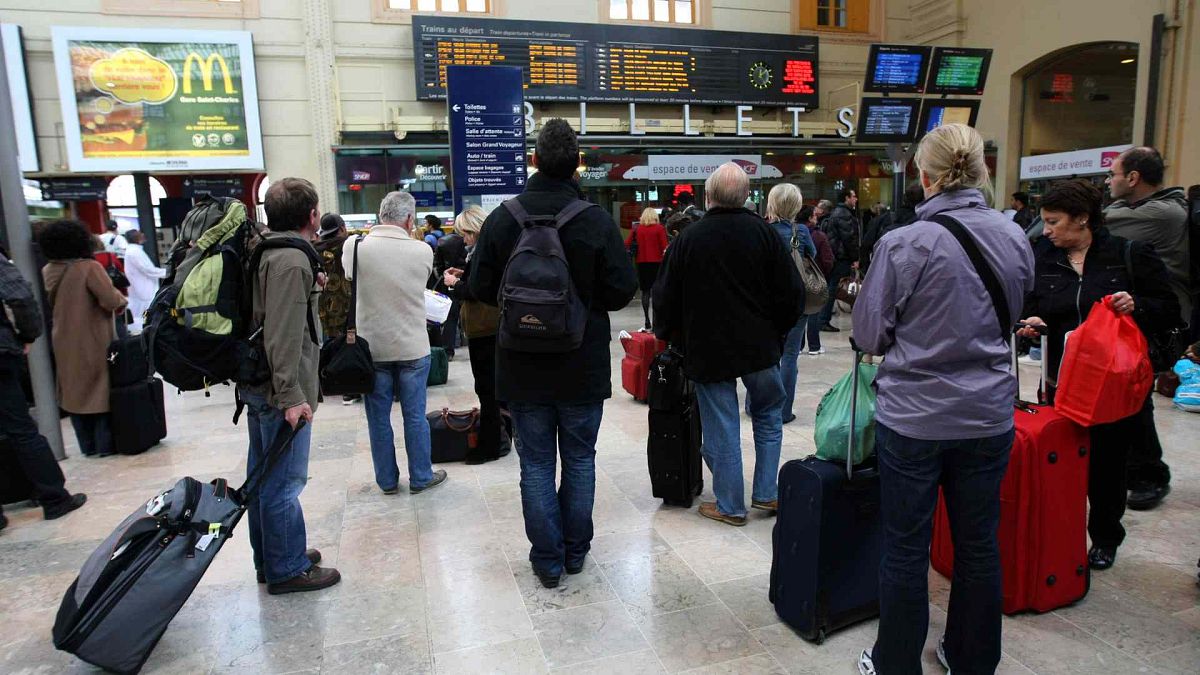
pixel 158 100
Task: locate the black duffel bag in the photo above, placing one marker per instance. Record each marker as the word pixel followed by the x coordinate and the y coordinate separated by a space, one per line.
pixel 452 434
pixel 346 367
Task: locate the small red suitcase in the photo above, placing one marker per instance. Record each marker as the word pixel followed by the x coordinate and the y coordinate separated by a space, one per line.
pixel 640 350
pixel 1043 513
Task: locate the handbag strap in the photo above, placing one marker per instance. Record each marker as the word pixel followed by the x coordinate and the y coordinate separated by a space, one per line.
pixel 473 414
pixel 986 274
pixel 352 311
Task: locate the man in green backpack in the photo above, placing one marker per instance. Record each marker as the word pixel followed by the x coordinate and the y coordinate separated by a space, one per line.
pixel 285 293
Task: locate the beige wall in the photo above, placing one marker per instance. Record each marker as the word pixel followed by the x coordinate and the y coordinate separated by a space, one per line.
pixel 1023 32
pixel 374 90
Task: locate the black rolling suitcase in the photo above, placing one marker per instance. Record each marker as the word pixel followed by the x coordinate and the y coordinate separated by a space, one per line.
pixel 128 362
pixel 827 543
pixel 673 446
pixel 137 580
pixel 138 418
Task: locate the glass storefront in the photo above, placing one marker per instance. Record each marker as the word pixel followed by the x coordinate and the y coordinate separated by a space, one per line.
pixel 365 176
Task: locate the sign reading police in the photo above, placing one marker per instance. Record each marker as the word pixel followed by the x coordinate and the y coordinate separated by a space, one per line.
pixel 158 100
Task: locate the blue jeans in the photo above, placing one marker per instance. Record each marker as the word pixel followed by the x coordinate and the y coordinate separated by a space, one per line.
pixel 793 346
pixel 277 531
pixel 558 524
pixel 403 381
pixel 969 472
pixel 722 447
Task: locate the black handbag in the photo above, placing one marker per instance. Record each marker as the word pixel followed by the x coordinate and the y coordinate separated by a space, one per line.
pixel 346 367
pixel 118 278
pixel 1166 346
pixel 452 434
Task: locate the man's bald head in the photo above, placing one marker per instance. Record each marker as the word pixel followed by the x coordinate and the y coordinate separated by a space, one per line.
pixel 728 186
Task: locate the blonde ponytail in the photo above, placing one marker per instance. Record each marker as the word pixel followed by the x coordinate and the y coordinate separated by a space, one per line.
pixel 952 157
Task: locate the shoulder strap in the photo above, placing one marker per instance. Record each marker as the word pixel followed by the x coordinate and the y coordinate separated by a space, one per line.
pixel 514 207
pixel 983 269
pixel 309 252
pixel 570 211
pixel 352 312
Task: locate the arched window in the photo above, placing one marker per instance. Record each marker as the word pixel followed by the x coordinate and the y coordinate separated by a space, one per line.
pixel 1082 97
pixel 122 201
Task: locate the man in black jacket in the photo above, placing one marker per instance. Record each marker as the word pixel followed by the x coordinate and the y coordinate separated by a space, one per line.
pixel 557 399
pixel 841 226
pixel 30 447
pixel 728 294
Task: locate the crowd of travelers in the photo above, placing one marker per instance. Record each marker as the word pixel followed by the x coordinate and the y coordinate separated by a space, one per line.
pixel 721 285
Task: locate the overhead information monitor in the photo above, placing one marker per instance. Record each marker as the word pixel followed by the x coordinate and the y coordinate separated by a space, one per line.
pixel 609 63
pixel 897 68
pixel 888 120
pixel 958 70
pixel 935 113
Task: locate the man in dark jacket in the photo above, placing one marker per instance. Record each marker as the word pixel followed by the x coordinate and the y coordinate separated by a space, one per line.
pixel 841 226
pixel 557 399
pixel 728 294
pixel 1024 213
pixel 1147 212
pixel 451 252
pixel 30 447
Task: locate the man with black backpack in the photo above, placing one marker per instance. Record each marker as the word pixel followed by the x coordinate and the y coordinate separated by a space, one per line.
pixel 556 266
pixel 284 292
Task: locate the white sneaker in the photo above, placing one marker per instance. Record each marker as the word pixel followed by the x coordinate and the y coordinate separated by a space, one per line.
pixel 941 654
pixel 817 352
pixel 866 666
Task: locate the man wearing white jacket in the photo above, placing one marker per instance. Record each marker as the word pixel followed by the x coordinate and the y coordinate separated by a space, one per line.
pixel 143 278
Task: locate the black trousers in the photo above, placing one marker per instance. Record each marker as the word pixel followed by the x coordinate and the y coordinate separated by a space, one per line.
pixel 32 450
pixel 492 439
pixel 1108 479
pixel 1146 465
pixel 449 337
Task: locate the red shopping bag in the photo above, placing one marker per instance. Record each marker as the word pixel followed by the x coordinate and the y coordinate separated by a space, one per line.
pixel 1105 374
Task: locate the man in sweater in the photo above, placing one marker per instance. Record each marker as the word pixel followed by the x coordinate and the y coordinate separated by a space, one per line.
pixel 284 293
pixel 391 270
pixel 1145 211
pixel 557 399
pixel 728 295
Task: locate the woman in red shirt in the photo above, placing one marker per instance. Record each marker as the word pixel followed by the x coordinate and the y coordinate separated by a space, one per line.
pixel 647 243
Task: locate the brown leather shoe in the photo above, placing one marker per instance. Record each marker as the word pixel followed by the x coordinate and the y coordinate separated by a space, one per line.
pixel 315 579
pixel 710 510
pixel 772 505
pixel 313 555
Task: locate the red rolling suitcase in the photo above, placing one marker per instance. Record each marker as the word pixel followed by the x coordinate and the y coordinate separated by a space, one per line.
pixel 640 350
pixel 1043 512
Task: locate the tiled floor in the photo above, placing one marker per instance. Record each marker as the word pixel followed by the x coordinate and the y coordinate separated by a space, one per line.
pixel 439 582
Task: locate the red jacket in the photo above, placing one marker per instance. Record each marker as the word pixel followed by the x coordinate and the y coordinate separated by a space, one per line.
pixel 824 250
pixel 651 240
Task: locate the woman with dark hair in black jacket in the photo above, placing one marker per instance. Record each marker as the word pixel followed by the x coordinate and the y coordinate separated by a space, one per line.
pixel 1078 263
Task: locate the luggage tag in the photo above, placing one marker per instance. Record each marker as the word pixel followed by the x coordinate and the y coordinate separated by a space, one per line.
pixel 214 531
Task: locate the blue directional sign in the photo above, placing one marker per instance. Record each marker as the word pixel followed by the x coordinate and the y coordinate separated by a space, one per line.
pixel 486 105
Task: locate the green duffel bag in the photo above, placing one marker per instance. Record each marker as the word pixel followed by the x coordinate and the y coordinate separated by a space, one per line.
pixel 439 367
pixel 833 427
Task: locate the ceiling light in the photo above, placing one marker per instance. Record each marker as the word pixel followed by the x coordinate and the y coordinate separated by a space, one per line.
pixel 810 153
pixel 1128 61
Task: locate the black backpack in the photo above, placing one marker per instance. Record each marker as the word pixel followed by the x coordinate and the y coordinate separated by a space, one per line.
pixel 540 309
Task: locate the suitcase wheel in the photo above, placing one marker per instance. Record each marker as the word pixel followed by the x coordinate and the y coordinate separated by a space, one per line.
pixel 820 637
pixel 1053 458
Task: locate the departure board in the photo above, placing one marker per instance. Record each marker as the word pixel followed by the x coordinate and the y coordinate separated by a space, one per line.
pixel 608 63
pixel 897 68
pixel 888 120
pixel 959 70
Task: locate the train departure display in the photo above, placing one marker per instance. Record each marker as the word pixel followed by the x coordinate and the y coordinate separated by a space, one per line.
pixel 608 63
pixel 935 113
pixel 897 68
pixel 958 70
pixel 888 120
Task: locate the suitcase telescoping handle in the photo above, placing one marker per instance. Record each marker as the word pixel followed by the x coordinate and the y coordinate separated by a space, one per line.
pixel 283 442
pixel 1013 340
pixel 858 356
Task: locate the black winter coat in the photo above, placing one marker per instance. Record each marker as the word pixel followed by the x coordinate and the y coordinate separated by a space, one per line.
pixel 1063 298
pixel 841 225
pixel 728 294
pixel 603 276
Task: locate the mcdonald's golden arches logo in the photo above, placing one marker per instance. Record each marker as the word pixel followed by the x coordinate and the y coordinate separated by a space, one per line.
pixel 206 72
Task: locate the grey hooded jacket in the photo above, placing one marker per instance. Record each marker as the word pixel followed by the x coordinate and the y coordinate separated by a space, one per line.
pixel 1160 220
